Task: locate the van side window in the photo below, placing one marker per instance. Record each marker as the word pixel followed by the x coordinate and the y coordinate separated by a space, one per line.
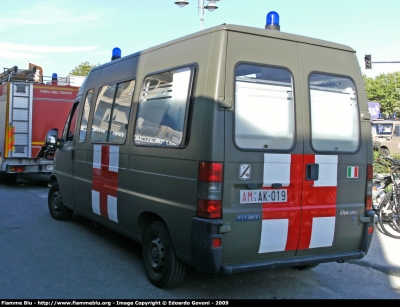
pixel 85 116
pixel 112 111
pixel 163 108
pixel 264 107
pixel 335 124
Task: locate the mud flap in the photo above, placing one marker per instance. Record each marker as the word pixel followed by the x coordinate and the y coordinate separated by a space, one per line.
pixel 367 238
pixel 206 258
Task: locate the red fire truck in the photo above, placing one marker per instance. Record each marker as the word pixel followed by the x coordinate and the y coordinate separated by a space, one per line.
pixel 29 107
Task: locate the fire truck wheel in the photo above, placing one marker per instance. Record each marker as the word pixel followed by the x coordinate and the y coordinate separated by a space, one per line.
pixel 163 268
pixel 9 178
pixel 57 210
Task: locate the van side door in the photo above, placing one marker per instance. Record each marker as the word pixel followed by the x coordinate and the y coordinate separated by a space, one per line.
pixel 65 155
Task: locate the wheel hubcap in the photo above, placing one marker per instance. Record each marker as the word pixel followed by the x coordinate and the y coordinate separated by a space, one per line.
pixel 57 201
pixel 157 254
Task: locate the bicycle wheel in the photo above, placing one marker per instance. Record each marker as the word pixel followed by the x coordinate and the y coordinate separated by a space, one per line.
pixel 388 216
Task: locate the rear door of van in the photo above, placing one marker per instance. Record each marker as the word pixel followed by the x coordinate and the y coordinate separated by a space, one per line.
pixel 294 171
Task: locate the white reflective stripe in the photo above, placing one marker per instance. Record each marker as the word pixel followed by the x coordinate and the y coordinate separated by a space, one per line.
pixel 97 156
pixel 112 208
pixel 96 202
pixel 276 169
pixel 114 159
pixel 327 176
pixel 323 231
pixel 273 235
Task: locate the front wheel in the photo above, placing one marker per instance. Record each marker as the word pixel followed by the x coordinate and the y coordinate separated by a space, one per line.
pixel 389 216
pixel 57 210
pixel 163 268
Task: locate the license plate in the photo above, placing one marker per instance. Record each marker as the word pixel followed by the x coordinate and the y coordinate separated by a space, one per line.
pixel 263 196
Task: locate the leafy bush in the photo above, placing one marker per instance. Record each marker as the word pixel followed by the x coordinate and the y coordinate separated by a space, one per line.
pixel 379 168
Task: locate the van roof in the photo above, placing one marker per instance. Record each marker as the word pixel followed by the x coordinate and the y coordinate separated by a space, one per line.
pixel 242 29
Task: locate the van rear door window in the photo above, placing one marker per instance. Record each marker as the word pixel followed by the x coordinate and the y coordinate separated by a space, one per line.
pixel 335 125
pixel 163 108
pixel 264 107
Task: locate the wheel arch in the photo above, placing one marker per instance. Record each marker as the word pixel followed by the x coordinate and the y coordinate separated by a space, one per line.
pixel 145 219
pixel 52 178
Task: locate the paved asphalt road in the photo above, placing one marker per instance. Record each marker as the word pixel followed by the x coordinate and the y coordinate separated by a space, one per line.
pixel 41 258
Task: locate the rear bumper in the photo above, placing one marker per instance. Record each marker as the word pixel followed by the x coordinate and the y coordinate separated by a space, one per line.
pixel 26 166
pixel 207 258
pixel 367 237
pixel 290 262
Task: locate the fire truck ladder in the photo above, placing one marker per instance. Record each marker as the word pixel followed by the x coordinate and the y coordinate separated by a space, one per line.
pixel 21 118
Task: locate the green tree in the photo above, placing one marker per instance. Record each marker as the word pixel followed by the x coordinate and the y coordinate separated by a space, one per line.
pixel 384 88
pixel 82 69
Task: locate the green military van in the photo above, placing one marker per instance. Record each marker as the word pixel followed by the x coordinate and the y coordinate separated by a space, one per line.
pixel 232 149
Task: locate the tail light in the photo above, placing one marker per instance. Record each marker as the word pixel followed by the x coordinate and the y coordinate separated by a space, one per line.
pixel 368 194
pixel 209 192
pixel 17 169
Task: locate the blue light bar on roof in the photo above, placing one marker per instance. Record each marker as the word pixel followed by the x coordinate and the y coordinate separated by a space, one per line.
pixel 273 21
pixel 116 53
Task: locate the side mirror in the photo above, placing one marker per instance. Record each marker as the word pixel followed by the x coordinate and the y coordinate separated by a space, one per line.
pixel 52 142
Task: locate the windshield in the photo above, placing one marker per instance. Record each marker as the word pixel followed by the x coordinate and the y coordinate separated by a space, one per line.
pixel 382 129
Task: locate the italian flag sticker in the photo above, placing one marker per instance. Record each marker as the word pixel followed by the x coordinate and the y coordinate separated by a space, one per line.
pixel 352 172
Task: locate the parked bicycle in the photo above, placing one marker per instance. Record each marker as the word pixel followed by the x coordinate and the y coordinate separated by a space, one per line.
pixel 388 208
pixel 380 183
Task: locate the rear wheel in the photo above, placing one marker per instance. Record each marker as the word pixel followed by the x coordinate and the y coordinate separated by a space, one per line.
pixel 57 210
pixel 389 216
pixel 163 268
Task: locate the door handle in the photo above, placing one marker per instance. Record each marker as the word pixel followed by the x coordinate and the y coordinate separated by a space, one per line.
pixel 312 171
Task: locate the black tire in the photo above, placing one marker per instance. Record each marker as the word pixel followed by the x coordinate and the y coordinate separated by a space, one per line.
pixel 8 178
pixel 306 267
pixel 388 217
pixel 163 268
pixel 57 210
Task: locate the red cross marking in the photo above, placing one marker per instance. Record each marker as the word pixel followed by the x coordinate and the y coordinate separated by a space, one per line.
pixel 305 202
pixel 105 181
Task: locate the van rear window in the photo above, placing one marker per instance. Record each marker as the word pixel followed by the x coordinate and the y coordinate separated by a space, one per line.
pixel 264 107
pixel 335 124
pixel 163 108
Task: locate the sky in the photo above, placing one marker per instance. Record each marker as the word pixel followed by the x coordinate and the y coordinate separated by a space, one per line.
pixel 60 35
